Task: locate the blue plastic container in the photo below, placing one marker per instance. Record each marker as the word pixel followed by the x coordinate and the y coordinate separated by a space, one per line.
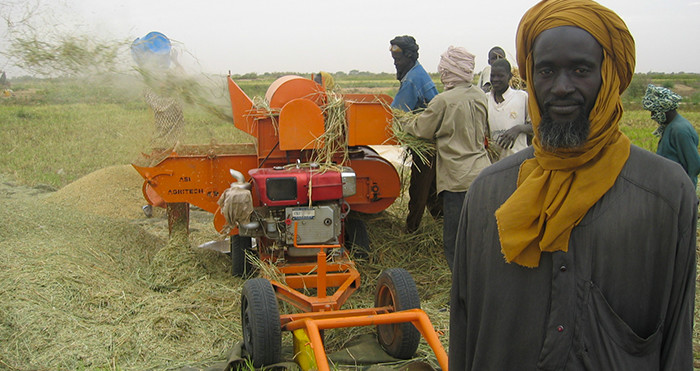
pixel 152 50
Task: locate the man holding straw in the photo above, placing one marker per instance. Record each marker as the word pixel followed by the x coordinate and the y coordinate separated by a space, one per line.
pixel 457 120
pixel 415 92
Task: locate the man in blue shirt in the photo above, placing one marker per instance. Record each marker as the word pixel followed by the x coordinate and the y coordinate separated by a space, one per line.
pixel 679 140
pixel 416 90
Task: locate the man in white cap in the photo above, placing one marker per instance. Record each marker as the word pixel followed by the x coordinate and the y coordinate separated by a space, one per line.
pixel 457 120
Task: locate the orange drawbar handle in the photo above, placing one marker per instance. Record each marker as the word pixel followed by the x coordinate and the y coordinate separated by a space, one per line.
pixel 418 317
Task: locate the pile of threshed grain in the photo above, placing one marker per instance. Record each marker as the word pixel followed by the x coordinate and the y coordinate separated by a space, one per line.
pixel 111 192
pixel 87 283
pixel 76 291
pixel 114 192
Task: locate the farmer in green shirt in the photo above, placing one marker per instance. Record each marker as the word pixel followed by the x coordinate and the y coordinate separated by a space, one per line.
pixel 679 140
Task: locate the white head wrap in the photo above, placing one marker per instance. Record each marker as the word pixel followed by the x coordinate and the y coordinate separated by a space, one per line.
pixel 456 65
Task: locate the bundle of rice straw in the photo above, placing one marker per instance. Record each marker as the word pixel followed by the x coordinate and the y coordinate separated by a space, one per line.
pixel 262 104
pixel 422 148
pixel 334 139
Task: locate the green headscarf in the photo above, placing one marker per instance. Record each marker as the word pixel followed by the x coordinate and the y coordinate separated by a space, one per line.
pixel 660 100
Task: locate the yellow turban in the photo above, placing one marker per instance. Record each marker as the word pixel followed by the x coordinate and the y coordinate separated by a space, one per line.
pixel 555 190
pixel 328 81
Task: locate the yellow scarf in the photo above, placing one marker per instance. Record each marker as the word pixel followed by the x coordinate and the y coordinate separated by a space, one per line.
pixel 328 81
pixel 555 190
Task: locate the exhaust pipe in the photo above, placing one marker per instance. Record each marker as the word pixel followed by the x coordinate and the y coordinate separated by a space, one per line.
pixel 240 180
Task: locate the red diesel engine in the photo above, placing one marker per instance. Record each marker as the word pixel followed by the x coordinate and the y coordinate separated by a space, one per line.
pixel 300 206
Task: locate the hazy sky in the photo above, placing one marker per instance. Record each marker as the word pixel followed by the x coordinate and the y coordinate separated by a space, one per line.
pixel 309 35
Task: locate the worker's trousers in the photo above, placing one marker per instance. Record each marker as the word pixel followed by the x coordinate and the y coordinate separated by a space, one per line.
pixel 452 202
pixel 422 192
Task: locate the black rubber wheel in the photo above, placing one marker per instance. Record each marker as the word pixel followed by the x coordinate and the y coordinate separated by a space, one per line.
pixel 240 264
pixel 260 317
pixel 395 287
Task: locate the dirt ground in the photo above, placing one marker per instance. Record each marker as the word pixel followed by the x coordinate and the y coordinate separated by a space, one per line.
pixel 75 270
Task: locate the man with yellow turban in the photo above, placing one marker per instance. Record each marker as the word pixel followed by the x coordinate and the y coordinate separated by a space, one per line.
pixel 577 253
pixel 326 80
pixel 457 119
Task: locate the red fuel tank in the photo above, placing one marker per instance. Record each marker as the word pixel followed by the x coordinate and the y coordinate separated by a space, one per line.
pixel 280 186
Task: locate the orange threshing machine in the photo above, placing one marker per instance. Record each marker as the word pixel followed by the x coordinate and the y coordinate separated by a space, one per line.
pixel 298 219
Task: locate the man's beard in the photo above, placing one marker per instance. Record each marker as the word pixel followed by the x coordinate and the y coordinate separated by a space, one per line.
pixel 555 135
pixel 401 73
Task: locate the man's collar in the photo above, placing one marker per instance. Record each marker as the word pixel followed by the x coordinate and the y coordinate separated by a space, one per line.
pixel 506 94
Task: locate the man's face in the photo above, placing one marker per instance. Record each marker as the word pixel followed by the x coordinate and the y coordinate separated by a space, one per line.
pixel 566 79
pixel 402 64
pixel 500 77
